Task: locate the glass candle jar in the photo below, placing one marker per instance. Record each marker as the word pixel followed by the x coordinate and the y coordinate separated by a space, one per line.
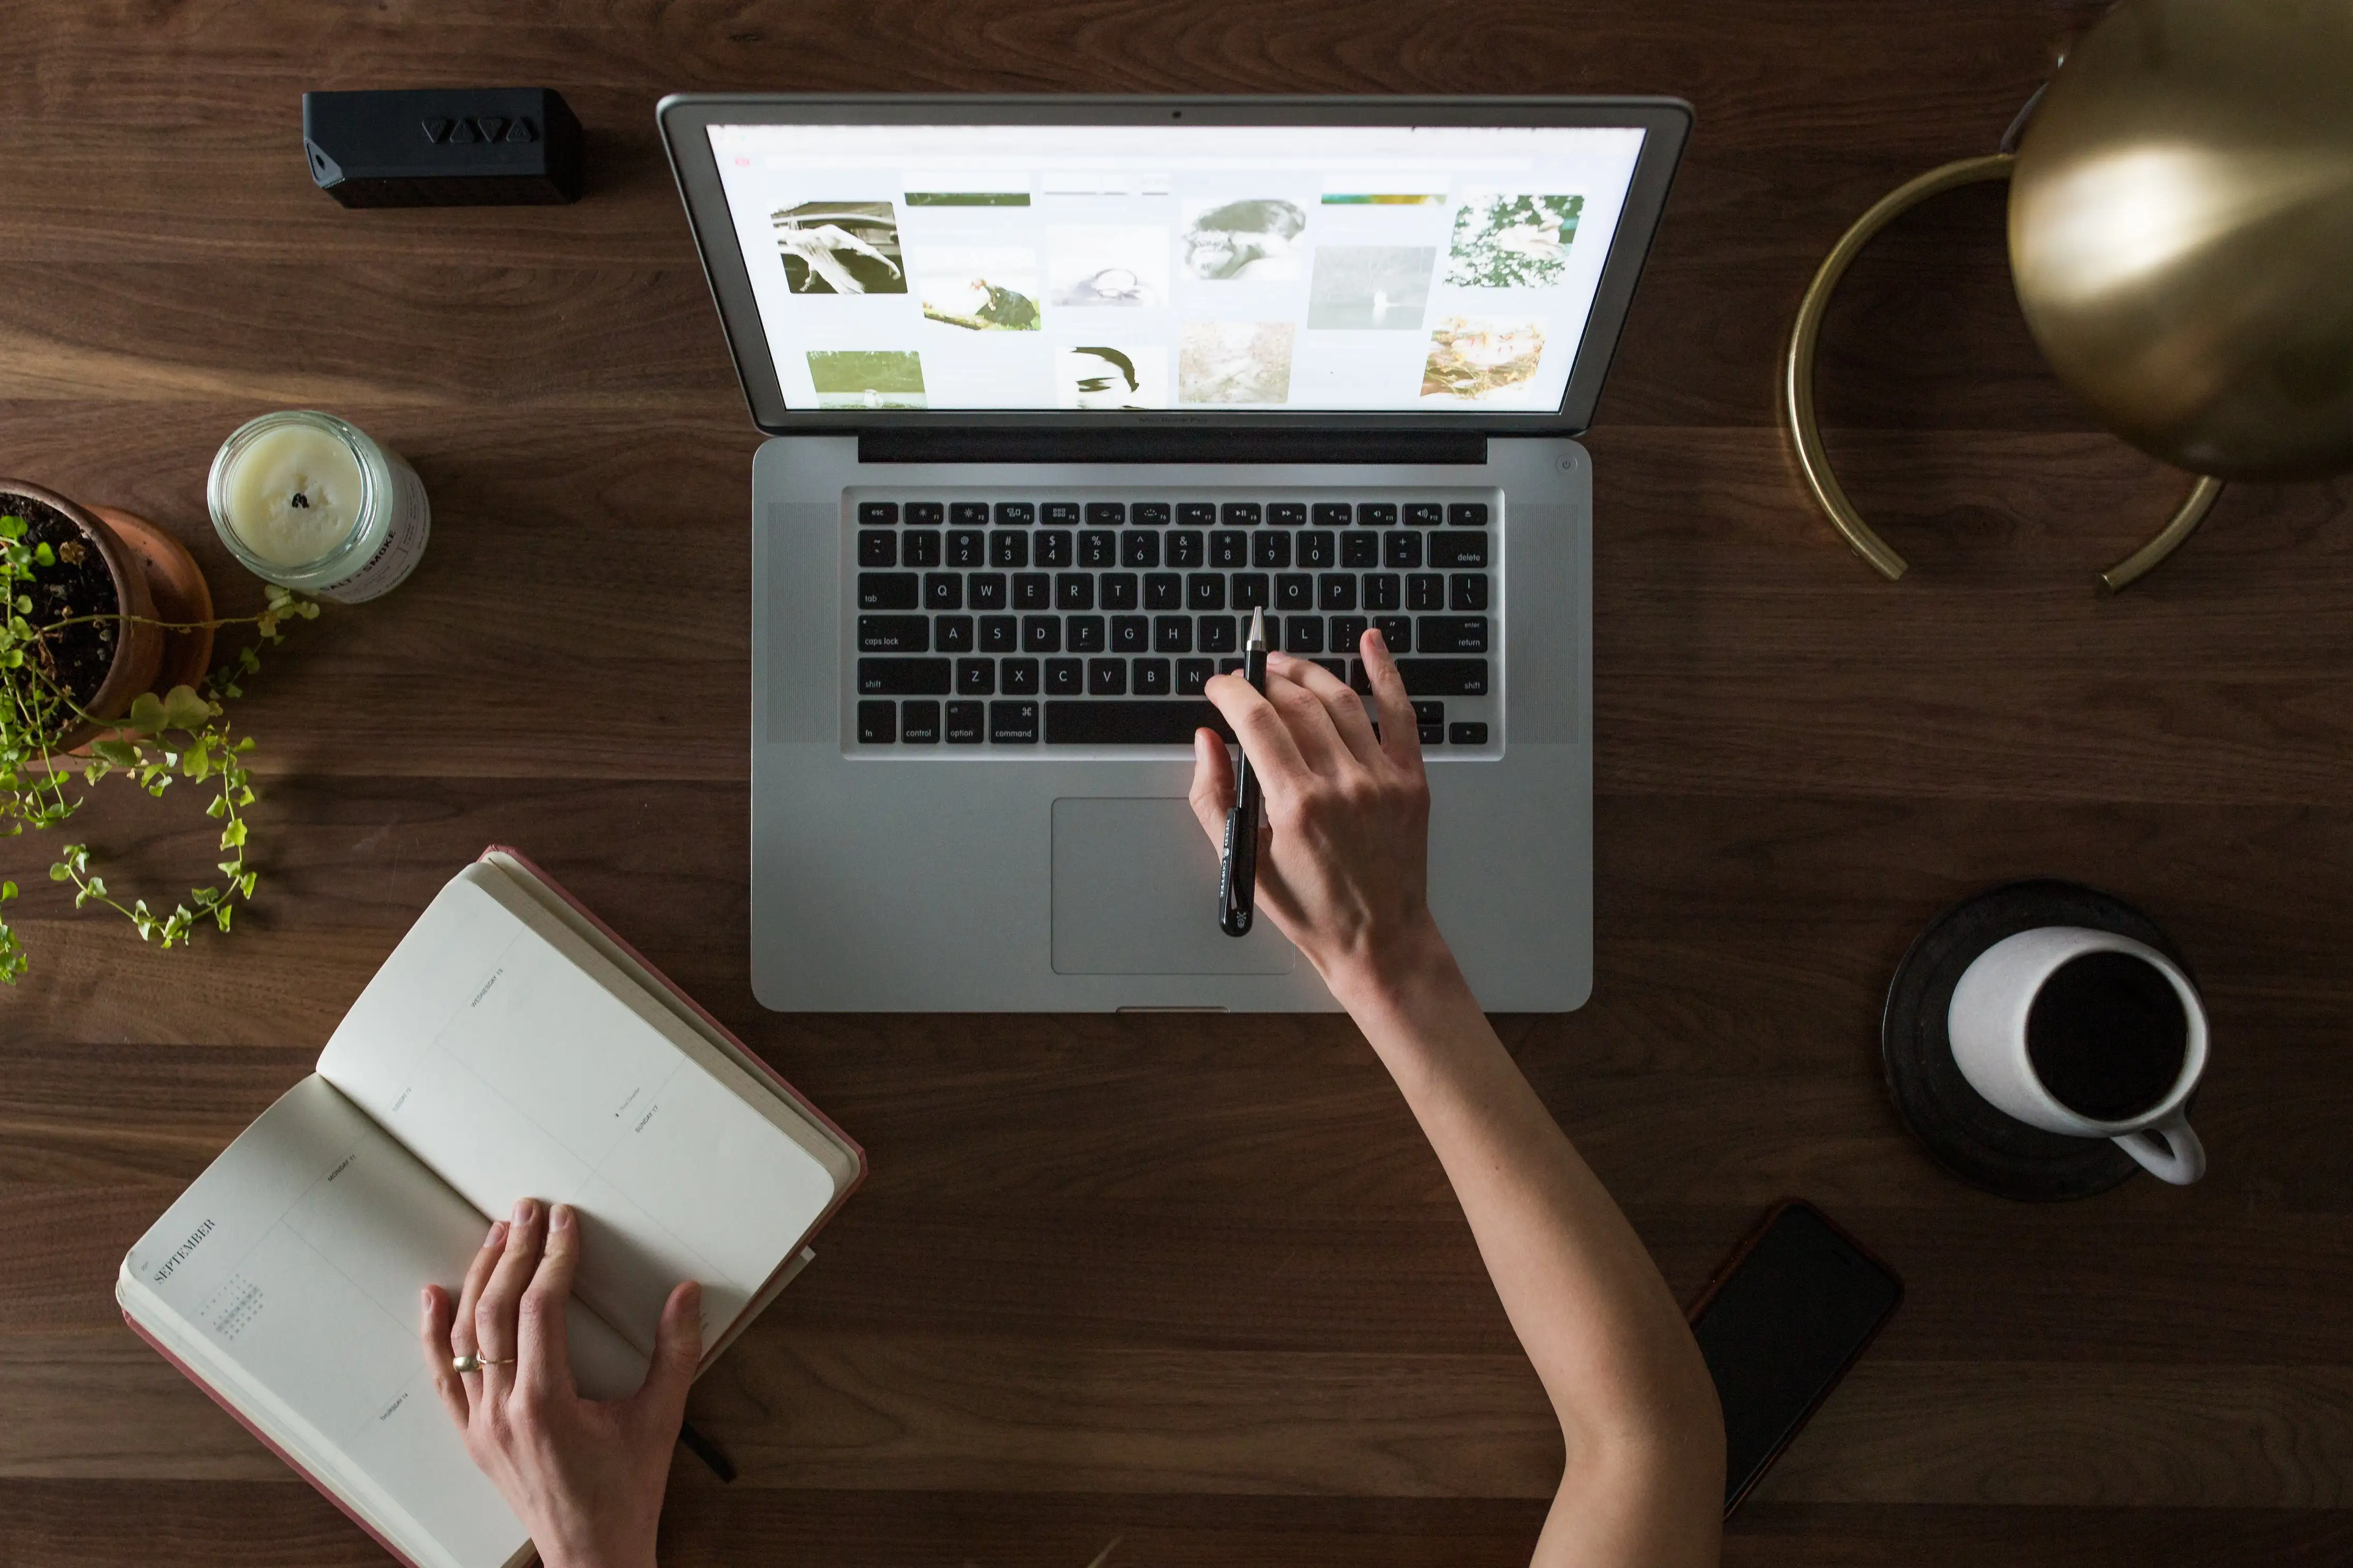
pixel 308 502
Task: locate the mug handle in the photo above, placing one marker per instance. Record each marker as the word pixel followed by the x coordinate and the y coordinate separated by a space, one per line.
pixel 2170 1151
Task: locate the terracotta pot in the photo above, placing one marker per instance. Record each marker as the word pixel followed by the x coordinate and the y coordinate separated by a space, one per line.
pixel 138 650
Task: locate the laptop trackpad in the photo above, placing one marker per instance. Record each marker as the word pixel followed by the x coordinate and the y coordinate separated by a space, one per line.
pixel 1135 892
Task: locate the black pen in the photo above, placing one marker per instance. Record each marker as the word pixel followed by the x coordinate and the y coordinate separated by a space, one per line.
pixel 1238 867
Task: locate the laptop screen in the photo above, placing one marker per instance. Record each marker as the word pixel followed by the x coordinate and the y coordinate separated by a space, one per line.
pixel 1422 269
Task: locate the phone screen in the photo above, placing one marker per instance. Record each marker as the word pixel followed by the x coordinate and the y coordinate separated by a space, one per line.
pixel 1779 1330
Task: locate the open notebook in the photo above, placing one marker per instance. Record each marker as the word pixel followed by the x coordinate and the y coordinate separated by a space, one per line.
pixel 511 1046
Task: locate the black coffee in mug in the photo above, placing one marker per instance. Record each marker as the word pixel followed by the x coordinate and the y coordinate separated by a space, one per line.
pixel 2107 1036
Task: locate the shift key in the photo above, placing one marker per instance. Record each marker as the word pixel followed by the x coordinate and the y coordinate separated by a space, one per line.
pixel 902 678
pixel 886 590
pixel 1443 677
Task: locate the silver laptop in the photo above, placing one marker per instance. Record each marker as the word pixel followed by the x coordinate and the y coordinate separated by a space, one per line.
pixel 1063 389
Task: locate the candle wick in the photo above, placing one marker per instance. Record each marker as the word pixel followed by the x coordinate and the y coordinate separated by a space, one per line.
pixel 302 500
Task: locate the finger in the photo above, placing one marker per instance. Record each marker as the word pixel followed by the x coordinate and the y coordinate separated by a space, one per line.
pixel 494 1314
pixel 436 1314
pixel 660 1403
pixel 1400 736
pixel 1303 712
pixel 1265 738
pixel 1346 709
pixel 470 1295
pixel 544 1354
pixel 1212 794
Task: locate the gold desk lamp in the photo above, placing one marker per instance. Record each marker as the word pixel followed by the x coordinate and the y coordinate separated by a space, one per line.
pixel 2181 241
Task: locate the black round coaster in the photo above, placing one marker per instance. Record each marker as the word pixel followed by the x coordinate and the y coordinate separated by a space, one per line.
pixel 1968 1136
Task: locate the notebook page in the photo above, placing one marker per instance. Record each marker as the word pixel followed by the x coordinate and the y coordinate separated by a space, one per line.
pixel 291 1266
pixel 508 1067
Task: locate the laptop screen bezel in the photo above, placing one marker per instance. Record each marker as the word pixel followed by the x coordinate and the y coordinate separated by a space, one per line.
pixel 685 120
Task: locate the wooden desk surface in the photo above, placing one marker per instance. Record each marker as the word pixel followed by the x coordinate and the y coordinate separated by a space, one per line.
pixel 1197 1284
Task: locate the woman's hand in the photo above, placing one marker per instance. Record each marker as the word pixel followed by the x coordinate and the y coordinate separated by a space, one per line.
pixel 586 1476
pixel 1343 855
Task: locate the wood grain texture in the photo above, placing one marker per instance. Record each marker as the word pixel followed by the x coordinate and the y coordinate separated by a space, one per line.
pixel 1197 1286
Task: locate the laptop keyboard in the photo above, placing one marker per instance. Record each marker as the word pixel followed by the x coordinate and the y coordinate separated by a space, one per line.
pixel 1093 622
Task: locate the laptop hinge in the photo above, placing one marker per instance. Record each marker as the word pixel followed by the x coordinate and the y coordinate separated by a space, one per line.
pixel 1000 444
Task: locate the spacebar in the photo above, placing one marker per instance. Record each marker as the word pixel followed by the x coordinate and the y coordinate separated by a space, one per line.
pixel 1168 723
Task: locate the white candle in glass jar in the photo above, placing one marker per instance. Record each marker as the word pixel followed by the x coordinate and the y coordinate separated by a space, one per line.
pixel 293 494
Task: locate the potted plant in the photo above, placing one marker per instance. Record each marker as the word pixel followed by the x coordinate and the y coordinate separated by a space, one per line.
pixel 105 654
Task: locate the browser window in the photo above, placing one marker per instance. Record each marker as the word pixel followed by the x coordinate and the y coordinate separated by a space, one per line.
pixel 1362 268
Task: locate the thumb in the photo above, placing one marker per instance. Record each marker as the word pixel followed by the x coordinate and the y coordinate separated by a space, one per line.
pixel 678 1350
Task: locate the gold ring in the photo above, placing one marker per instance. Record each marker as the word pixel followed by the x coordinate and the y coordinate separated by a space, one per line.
pixel 476 1362
pixel 1798 386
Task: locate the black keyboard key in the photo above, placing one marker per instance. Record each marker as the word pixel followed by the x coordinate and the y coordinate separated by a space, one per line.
pixel 877 513
pixel 878 723
pixel 1229 549
pixel 1106 513
pixel 1384 590
pixel 966 513
pixel 1347 631
pixel 953 634
pixel 1130 634
pixel 965 720
pixel 1054 549
pixel 1085 632
pixel 1197 514
pixel 1018 677
pixel 1205 590
pixel 1467 734
pixel 894 633
pixel 975 677
pixel 1058 513
pixel 1066 677
pixel 942 591
pixel 1450 634
pixel 1220 634
pixel 1193 674
pixel 1401 552
pixel 986 590
pixel 1294 591
pixel 965 549
pixel 1336 591
pixel 1333 513
pixel 1007 551
pixel 999 633
pixel 919 549
pixel 1467 514
pixel 1422 518
pixel 1377 514
pixel 1097 547
pixel 1358 550
pixel 1074 591
pixel 878 548
pixel 1337 667
pixel 1458 550
pixel 1139 550
pixel 1106 677
pixel 1429 712
pixel 1041 634
pixel 1444 677
pixel 1467 591
pixel 1032 591
pixel 1287 514
pixel 919 723
pixel 1172 634
pixel 1150 514
pixel 1151 677
pixel 1271 551
pixel 1317 549
pixel 1165 723
pixel 1303 634
pixel 1118 590
pixel 1016 513
pixel 926 514
pixel 902 676
pixel 1432 735
pixel 1013 724
pixel 1250 590
pixel 1185 549
pixel 1425 514
pixel 1397 631
pixel 1359 680
pixel 1240 514
pixel 1425 591
pixel 1163 591
pixel 886 590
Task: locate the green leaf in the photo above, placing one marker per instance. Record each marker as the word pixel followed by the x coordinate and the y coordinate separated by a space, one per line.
pixel 233 835
pixel 60 872
pixel 12 527
pixel 122 753
pixel 7 891
pixel 146 714
pixel 184 710
pixel 44 554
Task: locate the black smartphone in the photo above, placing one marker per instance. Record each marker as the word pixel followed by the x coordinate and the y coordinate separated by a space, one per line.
pixel 1783 1319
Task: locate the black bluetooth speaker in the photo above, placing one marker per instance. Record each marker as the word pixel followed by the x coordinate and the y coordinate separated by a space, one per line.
pixel 432 147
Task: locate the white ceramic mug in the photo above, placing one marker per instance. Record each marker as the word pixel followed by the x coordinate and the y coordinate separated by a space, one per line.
pixel 1987 1026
